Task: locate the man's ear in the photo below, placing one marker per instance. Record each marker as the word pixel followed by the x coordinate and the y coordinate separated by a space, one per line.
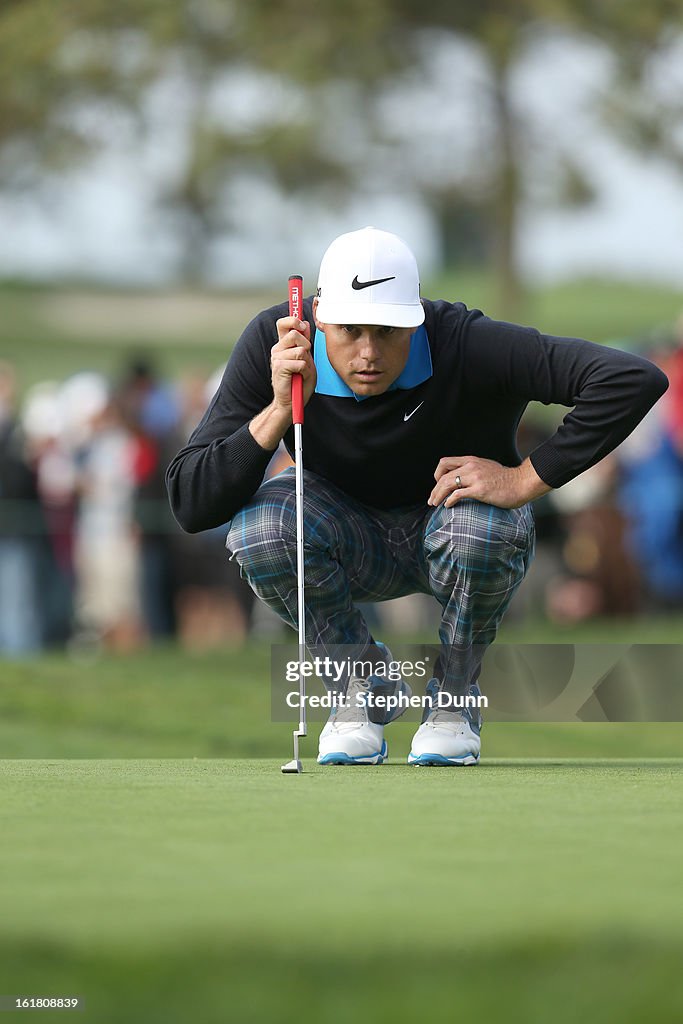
pixel 318 324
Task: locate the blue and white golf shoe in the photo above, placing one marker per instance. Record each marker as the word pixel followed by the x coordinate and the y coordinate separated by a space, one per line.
pixel 446 738
pixel 350 735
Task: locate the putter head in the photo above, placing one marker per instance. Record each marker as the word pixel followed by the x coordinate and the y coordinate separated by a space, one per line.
pixel 293 767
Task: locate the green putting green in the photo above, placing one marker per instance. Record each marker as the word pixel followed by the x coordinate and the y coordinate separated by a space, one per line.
pixel 220 890
pixel 154 860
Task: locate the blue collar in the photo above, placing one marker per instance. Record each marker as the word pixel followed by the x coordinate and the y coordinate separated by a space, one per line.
pixel 417 370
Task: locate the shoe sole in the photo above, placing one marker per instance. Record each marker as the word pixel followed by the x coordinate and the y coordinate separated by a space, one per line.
pixel 339 757
pixel 439 761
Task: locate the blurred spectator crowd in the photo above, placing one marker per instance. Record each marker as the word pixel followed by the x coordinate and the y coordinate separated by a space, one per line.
pixel 91 557
pixel 610 542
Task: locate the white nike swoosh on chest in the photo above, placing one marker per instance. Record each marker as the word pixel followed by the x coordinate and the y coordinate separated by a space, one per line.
pixel 407 415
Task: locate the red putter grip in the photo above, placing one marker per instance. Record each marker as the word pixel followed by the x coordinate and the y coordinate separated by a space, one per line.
pixel 296 290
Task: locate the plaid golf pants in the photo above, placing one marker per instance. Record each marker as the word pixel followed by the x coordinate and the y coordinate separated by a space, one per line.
pixel 471 558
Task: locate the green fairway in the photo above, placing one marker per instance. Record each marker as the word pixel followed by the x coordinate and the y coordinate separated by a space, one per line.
pixel 208 890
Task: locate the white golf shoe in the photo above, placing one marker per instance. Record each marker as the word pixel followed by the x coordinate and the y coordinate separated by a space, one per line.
pixel 349 736
pixel 445 738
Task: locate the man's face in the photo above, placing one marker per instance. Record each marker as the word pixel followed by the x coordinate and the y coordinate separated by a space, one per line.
pixel 368 358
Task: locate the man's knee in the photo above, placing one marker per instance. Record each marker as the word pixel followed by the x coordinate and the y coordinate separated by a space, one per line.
pixel 477 537
pixel 264 530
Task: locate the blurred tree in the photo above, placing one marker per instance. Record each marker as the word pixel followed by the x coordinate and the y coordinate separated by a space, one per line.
pixel 272 106
pixel 73 75
pixel 499 134
pixel 68 71
pixel 76 77
pixel 294 95
pixel 474 175
pixel 644 103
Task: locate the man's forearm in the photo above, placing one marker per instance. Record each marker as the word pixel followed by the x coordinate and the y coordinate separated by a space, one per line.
pixel 270 426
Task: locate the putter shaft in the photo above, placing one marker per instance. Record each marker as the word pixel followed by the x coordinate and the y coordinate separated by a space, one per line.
pixel 296 309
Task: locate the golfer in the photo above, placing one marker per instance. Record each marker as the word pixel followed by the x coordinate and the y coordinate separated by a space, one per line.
pixel 412 482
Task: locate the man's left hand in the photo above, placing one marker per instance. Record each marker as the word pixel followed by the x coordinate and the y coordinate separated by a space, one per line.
pixel 467 476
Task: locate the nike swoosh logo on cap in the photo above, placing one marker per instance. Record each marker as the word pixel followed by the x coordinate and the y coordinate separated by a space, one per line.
pixel 357 285
pixel 407 415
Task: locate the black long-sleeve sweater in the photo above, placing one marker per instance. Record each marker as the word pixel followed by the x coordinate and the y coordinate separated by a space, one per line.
pixel 484 374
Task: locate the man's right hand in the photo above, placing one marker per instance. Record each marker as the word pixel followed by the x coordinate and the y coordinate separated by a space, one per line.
pixel 291 354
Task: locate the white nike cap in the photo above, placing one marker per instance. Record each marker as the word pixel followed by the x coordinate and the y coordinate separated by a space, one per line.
pixel 369 277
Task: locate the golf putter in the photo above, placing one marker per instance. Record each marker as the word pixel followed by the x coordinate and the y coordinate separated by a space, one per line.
pixel 296 284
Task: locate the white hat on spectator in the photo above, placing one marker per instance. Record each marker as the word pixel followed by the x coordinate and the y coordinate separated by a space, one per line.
pixel 42 414
pixel 83 397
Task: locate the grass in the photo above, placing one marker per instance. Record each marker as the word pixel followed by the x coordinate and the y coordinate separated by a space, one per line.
pixel 625 312
pixel 155 862
pixel 175 890
pixel 49 333
pixel 168 703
